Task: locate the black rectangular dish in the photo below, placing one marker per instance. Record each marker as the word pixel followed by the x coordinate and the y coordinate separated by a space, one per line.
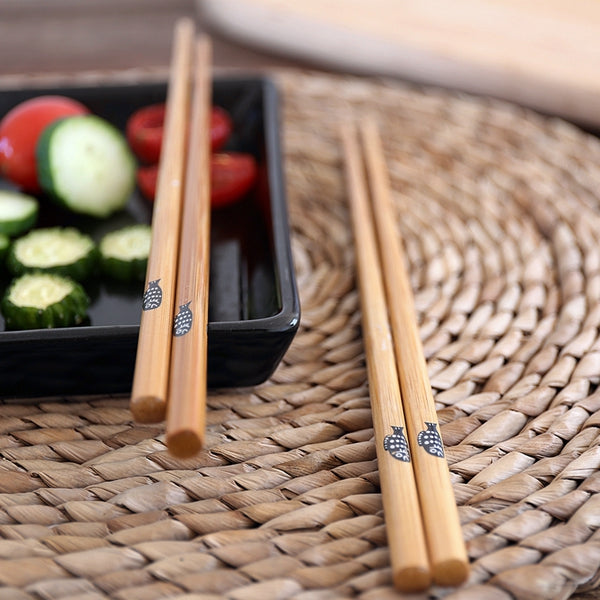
pixel 254 309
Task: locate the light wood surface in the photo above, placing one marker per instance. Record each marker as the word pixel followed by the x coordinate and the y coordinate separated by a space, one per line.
pixel 186 407
pixel 540 53
pixel 152 367
pixel 404 523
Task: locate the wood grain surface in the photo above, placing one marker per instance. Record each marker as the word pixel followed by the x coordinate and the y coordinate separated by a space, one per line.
pixel 540 53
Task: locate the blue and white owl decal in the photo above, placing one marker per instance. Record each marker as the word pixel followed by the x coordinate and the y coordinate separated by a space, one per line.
pixel 397 445
pixel 183 320
pixel 431 440
pixel 152 296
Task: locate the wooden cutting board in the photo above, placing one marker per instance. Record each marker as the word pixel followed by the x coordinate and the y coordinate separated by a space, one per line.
pixel 544 54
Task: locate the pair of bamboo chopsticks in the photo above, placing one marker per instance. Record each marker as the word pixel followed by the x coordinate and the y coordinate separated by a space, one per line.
pixel 170 369
pixel 424 534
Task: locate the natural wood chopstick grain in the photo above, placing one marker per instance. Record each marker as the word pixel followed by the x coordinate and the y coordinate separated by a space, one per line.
pixel 445 541
pixel 151 374
pixel 188 380
pixel 406 539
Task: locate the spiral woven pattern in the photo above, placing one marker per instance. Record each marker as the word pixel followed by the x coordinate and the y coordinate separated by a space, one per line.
pixel 499 210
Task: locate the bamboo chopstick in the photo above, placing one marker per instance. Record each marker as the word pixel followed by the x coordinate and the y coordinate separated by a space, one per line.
pixel 151 373
pixel 449 561
pixel 187 384
pixel 406 539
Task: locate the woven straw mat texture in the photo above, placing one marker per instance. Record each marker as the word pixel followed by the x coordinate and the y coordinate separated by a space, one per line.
pixel 499 210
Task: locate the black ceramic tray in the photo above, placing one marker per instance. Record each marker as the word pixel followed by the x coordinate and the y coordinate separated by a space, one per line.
pixel 253 309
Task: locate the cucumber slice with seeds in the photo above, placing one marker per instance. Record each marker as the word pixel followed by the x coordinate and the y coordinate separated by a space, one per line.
pixel 124 252
pixel 85 163
pixel 18 212
pixel 61 250
pixel 44 300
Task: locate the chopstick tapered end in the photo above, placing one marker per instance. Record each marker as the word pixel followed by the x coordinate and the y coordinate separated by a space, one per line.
pixel 148 409
pixel 412 579
pixel 451 572
pixel 184 443
pixel 185 26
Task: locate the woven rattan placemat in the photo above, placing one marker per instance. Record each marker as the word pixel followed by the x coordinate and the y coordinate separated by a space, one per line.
pixel 500 213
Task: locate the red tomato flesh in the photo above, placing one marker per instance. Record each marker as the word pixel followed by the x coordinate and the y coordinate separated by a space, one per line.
pixel 232 176
pixel 146 177
pixel 20 130
pixel 221 126
pixel 144 130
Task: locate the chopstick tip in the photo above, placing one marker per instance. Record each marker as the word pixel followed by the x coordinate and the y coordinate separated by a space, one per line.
pixel 185 24
pixel 184 443
pixel 148 409
pixel 411 580
pixel 451 572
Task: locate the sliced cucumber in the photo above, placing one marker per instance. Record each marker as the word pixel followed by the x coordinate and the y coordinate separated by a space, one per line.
pixel 85 163
pixel 4 246
pixel 18 212
pixel 44 300
pixel 60 250
pixel 124 252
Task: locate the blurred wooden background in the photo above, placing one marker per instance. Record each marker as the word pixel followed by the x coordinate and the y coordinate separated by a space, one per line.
pixel 540 53
pixel 49 36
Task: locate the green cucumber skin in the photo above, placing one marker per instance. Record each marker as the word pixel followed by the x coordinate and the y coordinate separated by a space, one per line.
pixel 4 247
pixel 13 228
pixel 69 312
pixel 80 270
pixel 48 181
pixel 124 270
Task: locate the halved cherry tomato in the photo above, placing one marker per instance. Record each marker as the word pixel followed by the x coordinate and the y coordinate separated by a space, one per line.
pixel 145 127
pixel 220 128
pixel 20 130
pixel 144 131
pixel 232 176
pixel 146 177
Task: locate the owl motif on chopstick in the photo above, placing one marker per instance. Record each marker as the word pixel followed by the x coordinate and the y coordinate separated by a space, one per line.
pixel 183 320
pixel 152 296
pixel 397 445
pixel 431 441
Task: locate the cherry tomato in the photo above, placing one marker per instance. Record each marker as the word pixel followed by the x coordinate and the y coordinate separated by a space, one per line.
pixel 20 130
pixel 221 126
pixel 144 131
pixel 146 177
pixel 145 127
pixel 232 175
